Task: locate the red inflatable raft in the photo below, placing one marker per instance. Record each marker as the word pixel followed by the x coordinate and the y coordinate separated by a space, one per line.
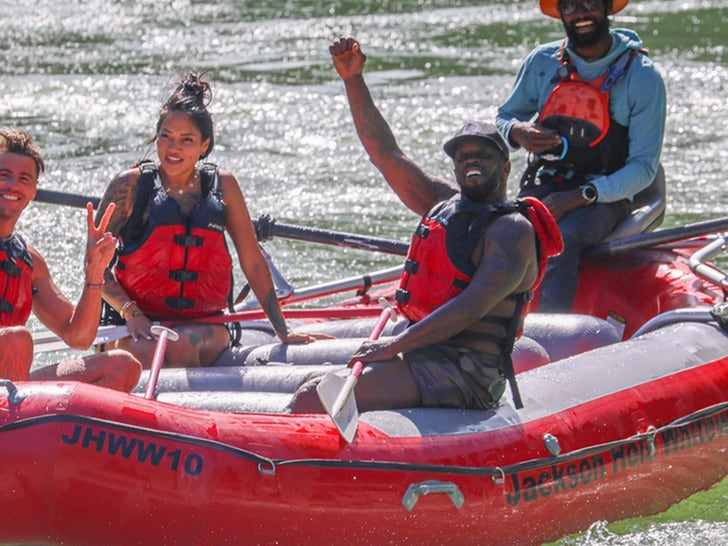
pixel 613 426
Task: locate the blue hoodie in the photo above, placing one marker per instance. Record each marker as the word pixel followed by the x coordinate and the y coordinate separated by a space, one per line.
pixel 637 101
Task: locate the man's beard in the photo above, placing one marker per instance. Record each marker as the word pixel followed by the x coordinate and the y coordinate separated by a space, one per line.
pixel 600 30
pixel 481 192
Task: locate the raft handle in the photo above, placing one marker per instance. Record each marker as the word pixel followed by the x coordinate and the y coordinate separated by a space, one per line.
pixel 500 479
pixel 14 395
pixel 416 490
pixel 651 432
pixel 268 468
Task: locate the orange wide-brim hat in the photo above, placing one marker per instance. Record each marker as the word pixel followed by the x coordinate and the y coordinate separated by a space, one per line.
pixel 549 7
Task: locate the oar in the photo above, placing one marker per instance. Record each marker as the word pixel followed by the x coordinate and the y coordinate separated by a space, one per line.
pixel 46 341
pixel 360 283
pixel 158 358
pixel 337 393
pixel 284 289
pixel 644 240
pixel 67 199
pixel 265 227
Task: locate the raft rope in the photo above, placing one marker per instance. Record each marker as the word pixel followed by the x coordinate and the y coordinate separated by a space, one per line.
pixel 268 466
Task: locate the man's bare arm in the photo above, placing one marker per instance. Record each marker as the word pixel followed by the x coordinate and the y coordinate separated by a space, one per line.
pixel 418 190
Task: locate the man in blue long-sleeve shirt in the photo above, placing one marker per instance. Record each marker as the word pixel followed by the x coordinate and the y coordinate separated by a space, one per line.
pixel 597 139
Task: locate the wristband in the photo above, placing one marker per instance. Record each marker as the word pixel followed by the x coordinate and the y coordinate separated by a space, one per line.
pixel 94 286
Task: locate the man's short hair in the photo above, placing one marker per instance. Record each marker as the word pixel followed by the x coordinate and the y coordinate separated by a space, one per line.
pixel 17 141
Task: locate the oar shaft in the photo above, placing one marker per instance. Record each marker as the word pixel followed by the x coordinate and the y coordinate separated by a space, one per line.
pixel 63 198
pixel 265 227
pixel 46 341
pixel 662 236
pixel 360 283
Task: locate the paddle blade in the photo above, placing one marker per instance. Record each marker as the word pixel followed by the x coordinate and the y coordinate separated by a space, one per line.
pixel 346 420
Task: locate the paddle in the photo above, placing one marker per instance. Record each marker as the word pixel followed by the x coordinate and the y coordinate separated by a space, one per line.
pixel 337 393
pixel 158 358
pixel 265 227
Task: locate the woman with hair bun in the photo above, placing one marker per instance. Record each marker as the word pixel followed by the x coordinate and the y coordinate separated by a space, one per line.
pixel 171 217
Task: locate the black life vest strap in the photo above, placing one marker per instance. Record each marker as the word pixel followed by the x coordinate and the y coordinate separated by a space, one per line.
pixel 10 267
pixel 507 358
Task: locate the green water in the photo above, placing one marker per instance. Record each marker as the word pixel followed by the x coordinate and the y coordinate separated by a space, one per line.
pixel 86 79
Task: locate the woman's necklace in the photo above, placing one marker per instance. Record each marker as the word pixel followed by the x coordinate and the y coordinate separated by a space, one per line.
pixel 188 186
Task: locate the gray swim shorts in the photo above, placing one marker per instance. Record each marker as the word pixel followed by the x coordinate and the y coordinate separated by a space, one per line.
pixel 456 377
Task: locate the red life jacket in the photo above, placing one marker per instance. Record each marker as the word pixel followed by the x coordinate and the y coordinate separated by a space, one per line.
pixel 438 265
pixel 16 282
pixel 172 266
pixel 578 110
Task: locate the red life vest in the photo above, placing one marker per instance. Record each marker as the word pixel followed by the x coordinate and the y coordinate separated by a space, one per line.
pixel 578 110
pixel 16 282
pixel 438 265
pixel 172 266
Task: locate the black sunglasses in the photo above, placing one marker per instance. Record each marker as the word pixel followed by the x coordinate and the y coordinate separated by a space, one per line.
pixel 567 7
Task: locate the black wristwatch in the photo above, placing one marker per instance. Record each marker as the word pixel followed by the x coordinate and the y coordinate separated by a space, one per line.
pixel 589 194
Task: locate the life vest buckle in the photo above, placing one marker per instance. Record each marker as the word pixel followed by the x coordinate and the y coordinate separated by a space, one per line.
pixel 402 296
pixel 6 306
pixel 188 240
pixel 180 275
pixel 411 266
pixel 180 303
pixel 423 231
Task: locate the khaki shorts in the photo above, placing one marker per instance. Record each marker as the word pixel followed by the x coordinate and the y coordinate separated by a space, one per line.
pixel 456 377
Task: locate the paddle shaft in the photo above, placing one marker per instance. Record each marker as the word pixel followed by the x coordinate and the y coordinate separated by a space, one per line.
pixel 158 358
pixel 67 199
pixel 358 366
